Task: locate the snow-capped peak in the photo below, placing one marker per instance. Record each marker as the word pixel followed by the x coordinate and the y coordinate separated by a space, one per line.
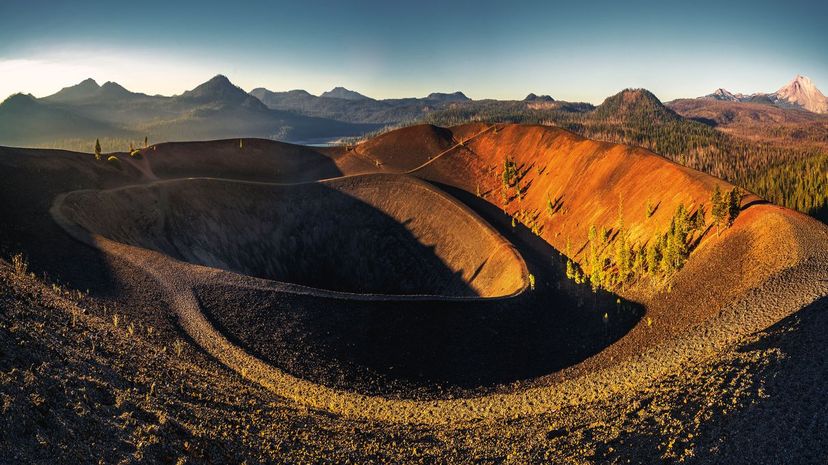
pixel 802 92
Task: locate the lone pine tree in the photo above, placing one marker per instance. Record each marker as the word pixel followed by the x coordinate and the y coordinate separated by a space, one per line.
pixel 719 209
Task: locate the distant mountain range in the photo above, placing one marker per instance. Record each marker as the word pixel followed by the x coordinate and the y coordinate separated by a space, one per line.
pixel 346 105
pixel 800 93
pixel 214 110
pixel 218 109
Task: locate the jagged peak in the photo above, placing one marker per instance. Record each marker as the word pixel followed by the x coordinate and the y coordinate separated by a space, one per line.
pixel 802 92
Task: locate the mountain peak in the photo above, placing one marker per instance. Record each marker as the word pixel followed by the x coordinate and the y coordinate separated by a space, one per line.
pixel 219 89
pixel 87 83
pixel 113 89
pixel 801 78
pixel 724 95
pixel 637 95
pixel 538 98
pixel 802 92
pixel 82 90
pixel 220 79
pixel 800 81
pixel 343 93
pixel 452 97
pixel 18 99
pixel 632 103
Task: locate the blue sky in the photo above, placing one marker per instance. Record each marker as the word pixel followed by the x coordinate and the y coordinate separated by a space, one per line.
pixel 571 50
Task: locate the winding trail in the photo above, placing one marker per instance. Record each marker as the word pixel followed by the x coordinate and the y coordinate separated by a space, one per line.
pixel 776 298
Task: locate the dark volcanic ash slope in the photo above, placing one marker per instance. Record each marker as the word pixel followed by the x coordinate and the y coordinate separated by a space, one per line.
pixel 375 234
pixel 739 398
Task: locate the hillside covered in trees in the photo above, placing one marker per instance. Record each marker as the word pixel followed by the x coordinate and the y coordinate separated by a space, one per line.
pixel 784 166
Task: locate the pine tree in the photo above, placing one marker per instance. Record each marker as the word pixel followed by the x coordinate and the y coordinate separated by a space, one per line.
pixel 734 205
pixel 97 149
pixel 596 265
pixel 699 218
pixel 683 228
pixel 653 256
pixel 667 253
pixel 719 210
pixel 622 257
pixel 509 172
pixel 675 241
pixel 638 263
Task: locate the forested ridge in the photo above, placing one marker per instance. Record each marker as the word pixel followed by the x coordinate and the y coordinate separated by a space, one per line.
pixel 793 174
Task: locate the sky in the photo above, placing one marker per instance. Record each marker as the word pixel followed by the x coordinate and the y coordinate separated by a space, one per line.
pixel 573 50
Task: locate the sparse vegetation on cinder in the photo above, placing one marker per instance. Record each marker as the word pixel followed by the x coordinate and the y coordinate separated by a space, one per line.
pixel 21 267
pixel 194 365
pixel 612 266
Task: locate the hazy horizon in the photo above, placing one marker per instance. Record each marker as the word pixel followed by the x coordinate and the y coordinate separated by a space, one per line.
pixel 485 50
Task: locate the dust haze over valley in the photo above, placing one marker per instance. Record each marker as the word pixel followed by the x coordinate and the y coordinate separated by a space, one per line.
pixel 250 272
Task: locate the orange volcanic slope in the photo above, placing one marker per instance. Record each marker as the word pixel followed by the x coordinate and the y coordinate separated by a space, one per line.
pixel 592 182
pixel 588 182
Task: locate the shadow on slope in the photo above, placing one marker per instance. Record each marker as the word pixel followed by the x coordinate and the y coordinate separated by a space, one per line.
pixel 430 349
pixel 784 417
pixel 417 349
pixel 33 177
pixel 377 234
pixel 764 403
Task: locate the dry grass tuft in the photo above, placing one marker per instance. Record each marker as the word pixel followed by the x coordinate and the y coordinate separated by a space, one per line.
pixel 21 266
